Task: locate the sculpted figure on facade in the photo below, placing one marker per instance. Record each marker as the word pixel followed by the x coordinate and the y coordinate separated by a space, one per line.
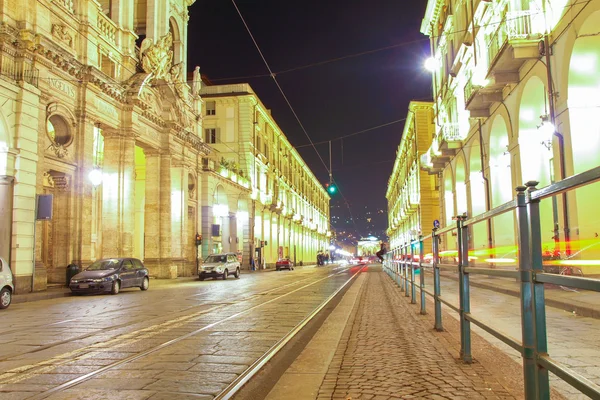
pixel 158 58
pixel 180 86
pixel 196 82
pixel 61 32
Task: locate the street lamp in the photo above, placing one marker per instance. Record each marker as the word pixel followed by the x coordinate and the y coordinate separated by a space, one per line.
pixel 95 176
pixel 431 64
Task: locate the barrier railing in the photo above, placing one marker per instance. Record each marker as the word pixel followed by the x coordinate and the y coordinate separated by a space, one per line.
pixel 401 265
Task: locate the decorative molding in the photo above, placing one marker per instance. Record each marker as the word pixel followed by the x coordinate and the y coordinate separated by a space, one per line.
pixel 61 32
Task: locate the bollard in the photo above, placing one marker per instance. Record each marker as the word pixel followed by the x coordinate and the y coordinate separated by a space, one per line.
pixel 422 276
pixel 413 289
pixel 406 276
pixel 464 294
pixel 436 281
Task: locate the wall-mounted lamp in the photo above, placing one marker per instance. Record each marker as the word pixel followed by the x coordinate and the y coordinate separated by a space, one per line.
pixel 547 130
pixel 95 176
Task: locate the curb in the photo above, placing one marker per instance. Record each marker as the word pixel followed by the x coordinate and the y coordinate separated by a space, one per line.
pixel 56 294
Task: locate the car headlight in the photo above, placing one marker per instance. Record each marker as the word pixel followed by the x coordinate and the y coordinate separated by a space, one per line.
pixel 74 281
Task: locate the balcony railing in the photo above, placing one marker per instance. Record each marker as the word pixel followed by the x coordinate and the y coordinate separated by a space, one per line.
pixel 451 132
pixel 19 70
pixel 108 28
pixel 68 4
pixel 515 25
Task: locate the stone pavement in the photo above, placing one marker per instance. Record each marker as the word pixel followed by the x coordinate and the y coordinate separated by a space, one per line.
pixel 582 302
pixel 388 351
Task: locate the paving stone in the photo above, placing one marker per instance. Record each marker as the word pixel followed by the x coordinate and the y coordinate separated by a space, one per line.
pixel 394 354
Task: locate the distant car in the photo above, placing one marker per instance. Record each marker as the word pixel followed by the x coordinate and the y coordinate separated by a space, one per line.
pixel 219 265
pixel 111 275
pixel 284 263
pixel 342 262
pixel 6 284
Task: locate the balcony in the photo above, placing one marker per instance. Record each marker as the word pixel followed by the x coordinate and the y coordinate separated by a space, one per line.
pixel 478 98
pixel 516 40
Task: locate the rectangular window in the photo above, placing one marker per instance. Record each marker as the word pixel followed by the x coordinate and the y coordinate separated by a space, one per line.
pixel 211 108
pixel 210 135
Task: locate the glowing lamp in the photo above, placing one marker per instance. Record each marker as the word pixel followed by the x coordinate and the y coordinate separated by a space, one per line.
pixel 220 210
pixel 431 64
pixel 95 176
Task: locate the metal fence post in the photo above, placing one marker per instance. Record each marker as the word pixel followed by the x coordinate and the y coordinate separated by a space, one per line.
pixel 527 307
pixel 464 294
pixel 421 275
pixel 406 279
pixel 401 266
pixel 413 289
pixel 539 306
pixel 436 281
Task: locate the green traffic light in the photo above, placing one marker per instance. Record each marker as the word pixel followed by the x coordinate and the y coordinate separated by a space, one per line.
pixel 332 189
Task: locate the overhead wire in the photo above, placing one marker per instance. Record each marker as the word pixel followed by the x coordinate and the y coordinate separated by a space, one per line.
pixel 289 103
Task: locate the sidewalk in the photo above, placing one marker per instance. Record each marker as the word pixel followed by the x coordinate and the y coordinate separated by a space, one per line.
pixel 585 303
pixel 383 349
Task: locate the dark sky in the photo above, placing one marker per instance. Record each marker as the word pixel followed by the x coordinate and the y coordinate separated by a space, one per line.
pixel 332 99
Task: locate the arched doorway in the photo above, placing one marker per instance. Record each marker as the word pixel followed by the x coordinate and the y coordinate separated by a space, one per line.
pixel 584 104
pixel 449 241
pixel 6 192
pixel 220 223
pixel 502 189
pixel 536 152
pixel 461 186
pixel 478 196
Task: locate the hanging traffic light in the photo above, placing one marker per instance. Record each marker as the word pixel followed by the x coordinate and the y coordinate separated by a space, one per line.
pixel 331 188
pixel 198 239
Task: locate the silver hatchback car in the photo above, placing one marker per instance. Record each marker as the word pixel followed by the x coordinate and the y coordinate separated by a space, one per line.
pixel 6 284
pixel 219 265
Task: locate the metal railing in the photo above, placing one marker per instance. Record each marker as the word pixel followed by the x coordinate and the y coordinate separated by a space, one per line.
pixel 530 276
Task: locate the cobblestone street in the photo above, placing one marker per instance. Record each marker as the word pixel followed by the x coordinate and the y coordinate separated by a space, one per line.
pixel 389 352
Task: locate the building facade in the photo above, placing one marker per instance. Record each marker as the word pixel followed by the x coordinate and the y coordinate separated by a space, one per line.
pixel 100 137
pixel 412 194
pixel 286 207
pixel 516 88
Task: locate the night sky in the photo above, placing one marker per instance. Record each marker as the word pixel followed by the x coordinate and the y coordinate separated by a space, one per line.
pixel 332 99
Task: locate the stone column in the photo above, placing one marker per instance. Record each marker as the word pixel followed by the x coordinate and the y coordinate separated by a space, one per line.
pixel 83 190
pixel 179 201
pixel 168 270
pixel 233 223
pixel 152 213
pixel 26 133
pixel 118 189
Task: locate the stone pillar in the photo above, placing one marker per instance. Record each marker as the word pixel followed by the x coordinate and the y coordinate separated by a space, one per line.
pixel 179 216
pixel 26 126
pixel 118 190
pixel 168 270
pixel 152 213
pixel 83 191
pixel 233 223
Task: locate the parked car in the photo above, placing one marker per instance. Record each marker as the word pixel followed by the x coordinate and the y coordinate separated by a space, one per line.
pixel 284 263
pixel 6 284
pixel 111 275
pixel 219 265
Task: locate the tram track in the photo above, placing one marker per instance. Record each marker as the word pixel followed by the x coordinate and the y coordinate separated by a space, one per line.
pixel 139 320
pixel 22 373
